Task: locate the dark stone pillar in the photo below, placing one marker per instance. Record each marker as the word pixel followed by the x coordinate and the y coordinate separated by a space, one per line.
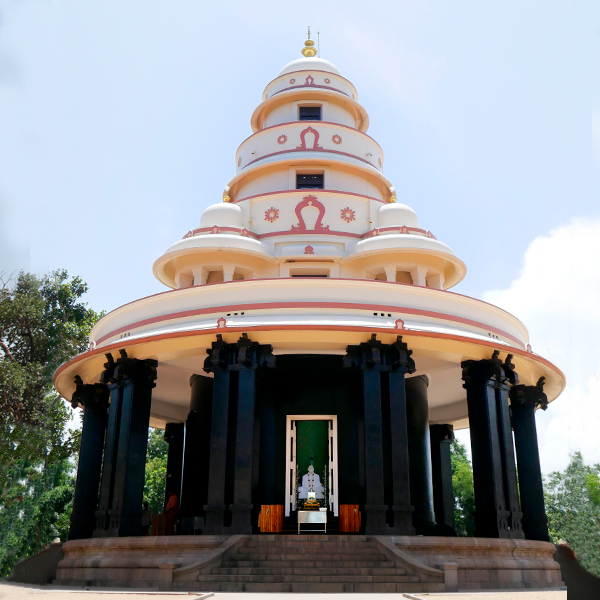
pixel 94 399
pixel 419 454
pixel 401 363
pixel 491 515
pixel 218 362
pixel 131 388
pixel 507 449
pixel 524 399
pixel 110 449
pixel 194 485
pixel 249 356
pixel 441 468
pixel 368 357
pixel 174 437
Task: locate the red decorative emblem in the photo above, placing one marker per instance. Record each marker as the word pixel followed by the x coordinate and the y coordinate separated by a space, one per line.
pixel 222 323
pixel 292 81
pixel 404 229
pixel 301 227
pixel 529 348
pixel 399 324
pixel 380 163
pixel 429 234
pixel 327 80
pixel 309 80
pixel 282 139
pixel 215 229
pixel 245 232
pixel 91 346
pixel 309 250
pixel 336 139
pixel 239 161
pixel 272 214
pixel 348 214
pixel 303 134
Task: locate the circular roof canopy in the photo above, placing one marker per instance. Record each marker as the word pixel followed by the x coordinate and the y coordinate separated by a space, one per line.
pixel 311 63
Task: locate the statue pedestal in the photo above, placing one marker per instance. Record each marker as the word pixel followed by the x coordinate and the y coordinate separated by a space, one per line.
pixel 312 517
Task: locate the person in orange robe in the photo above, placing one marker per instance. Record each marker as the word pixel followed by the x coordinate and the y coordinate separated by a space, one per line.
pixel 171 510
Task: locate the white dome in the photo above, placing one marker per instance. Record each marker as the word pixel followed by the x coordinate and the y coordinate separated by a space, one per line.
pixel 310 64
pixel 222 215
pixel 397 215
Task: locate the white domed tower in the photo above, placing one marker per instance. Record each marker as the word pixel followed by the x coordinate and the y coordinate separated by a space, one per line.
pixel 309 323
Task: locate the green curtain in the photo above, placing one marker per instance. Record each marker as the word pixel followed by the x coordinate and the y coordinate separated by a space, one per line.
pixel 311 440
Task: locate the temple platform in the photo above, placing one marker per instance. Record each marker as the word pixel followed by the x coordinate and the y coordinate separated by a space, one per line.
pixel 310 563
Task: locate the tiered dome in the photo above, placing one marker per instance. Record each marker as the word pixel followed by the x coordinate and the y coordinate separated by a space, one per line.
pixel 309 198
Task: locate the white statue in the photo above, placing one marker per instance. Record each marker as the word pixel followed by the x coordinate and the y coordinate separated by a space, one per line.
pixel 311 482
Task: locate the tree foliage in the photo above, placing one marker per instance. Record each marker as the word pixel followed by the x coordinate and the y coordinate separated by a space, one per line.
pixel 43 323
pixel 156 470
pixel 464 496
pixel 573 509
pixel 35 508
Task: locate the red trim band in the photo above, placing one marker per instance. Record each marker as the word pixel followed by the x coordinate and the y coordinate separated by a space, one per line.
pixel 325 305
pixel 351 328
pixel 301 123
pixel 321 150
pixel 304 191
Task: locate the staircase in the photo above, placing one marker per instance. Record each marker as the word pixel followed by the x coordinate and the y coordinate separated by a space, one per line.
pixel 315 563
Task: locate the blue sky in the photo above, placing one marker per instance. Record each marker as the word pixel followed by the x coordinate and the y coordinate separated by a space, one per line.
pixel 119 122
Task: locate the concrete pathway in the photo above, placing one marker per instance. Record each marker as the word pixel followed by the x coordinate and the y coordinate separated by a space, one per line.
pixel 10 591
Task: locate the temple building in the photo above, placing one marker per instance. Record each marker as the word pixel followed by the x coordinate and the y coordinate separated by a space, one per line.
pixel 309 364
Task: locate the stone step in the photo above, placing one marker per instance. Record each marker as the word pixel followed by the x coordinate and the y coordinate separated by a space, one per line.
pixel 307 579
pixel 316 537
pixel 310 564
pixel 298 542
pixel 271 570
pixel 334 556
pixel 313 588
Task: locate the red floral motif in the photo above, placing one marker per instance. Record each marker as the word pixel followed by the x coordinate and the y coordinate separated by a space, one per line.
pixel 292 81
pixel 327 80
pixel 348 214
pixel 309 250
pixel 282 139
pixel 336 139
pixel 272 214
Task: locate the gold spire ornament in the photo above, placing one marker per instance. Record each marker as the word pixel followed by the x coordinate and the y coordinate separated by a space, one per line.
pixel 309 50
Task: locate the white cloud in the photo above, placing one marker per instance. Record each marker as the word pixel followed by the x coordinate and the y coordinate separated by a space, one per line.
pixel 557 296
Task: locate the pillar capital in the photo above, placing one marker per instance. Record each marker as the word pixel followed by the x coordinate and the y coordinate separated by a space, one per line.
pixel 399 357
pixel 88 393
pixel 133 368
pixel 476 372
pixel 244 354
pixel 530 394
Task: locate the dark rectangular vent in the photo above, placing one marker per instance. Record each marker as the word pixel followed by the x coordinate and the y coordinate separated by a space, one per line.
pixel 305 182
pixel 310 113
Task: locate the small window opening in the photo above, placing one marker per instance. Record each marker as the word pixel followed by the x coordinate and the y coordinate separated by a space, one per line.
pixel 312 181
pixel 309 113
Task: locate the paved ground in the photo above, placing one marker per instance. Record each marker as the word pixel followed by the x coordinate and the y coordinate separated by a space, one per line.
pixel 29 592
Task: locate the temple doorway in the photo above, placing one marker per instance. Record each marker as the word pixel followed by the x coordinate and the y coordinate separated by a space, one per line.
pixel 312 460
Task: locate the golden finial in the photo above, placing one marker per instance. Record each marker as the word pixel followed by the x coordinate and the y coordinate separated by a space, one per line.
pixel 309 49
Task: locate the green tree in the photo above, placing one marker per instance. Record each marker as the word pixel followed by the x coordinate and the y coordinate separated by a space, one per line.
pixel 156 470
pixel 464 496
pixel 573 509
pixel 43 323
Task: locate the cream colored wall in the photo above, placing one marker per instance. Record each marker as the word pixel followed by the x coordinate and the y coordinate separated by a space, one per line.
pixel 277 178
